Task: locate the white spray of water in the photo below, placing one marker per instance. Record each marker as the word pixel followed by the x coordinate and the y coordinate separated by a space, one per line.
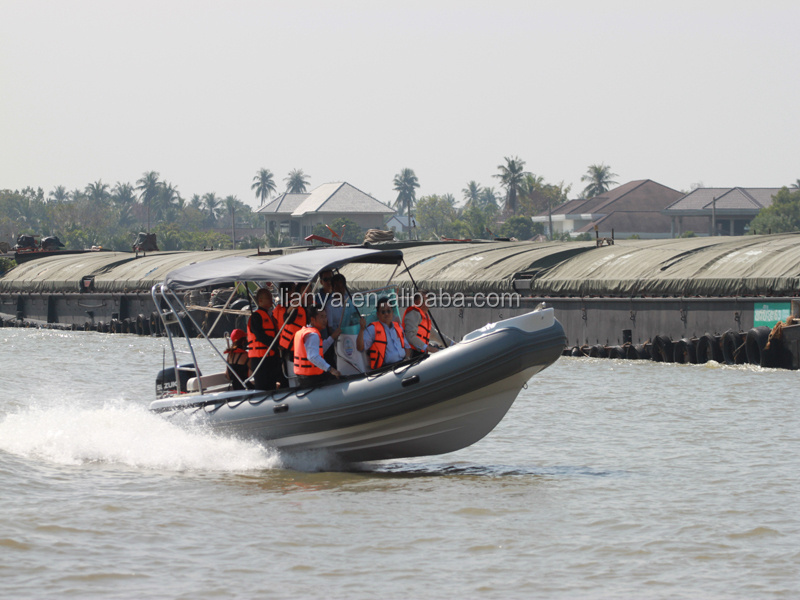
pixel 127 435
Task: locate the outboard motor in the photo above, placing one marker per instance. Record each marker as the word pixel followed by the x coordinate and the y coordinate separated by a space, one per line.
pixel 166 383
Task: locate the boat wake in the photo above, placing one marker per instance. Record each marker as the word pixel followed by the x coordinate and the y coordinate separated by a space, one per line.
pixel 409 469
pixel 121 434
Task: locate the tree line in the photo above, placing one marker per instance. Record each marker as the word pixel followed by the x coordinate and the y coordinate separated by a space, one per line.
pixel 110 216
pixel 487 213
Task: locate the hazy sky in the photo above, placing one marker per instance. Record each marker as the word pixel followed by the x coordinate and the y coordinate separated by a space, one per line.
pixel 206 93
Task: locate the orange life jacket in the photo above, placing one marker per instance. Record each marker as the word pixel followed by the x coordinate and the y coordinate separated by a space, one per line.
pixel 256 349
pixel 377 352
pixel 297 322
pixel 424 329
pixel 303 366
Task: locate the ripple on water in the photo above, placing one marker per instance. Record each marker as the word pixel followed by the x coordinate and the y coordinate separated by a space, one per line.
pixel 605 480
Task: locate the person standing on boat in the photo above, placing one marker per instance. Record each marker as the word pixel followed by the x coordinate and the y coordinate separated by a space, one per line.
pixel 383 339
pixel 337 300
pixel 238 369
pixel 324 294
pixel 261 332
pixel 417 325
pixel 310 365
pixel 335 307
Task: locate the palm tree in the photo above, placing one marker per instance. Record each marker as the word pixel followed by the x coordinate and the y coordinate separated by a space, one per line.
pixel 405 184
pixel 59 194
pixel 472 193
pixel 167 201
pixel 230 203
pixel 98 192
pixel 124 198
pixel 489 198
pixel 264 185
pixel 796 184
pixel 212 206
pixel 296 182
pixel 489 207
pixel 25 211
pixel 148 185
pixel 196 202
pixel 511 175
pixel 599 178
pixel 529 195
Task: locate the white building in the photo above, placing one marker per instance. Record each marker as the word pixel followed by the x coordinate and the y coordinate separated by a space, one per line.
pixel 296 215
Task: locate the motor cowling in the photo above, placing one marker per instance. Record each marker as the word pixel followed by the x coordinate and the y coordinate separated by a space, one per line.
pixel 168 385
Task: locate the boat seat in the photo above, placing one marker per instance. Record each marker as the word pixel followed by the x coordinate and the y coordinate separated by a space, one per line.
pixel 207 381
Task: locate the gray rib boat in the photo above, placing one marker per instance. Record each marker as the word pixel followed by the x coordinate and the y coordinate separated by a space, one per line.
pixel 432 404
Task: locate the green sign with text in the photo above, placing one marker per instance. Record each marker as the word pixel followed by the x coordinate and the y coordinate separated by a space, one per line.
pixel 769 313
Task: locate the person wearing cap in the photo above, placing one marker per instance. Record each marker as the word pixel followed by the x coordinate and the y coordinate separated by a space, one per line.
pixel 238 369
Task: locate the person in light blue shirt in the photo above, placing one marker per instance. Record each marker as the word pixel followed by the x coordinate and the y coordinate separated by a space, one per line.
pixel 386 346
pixel 337 300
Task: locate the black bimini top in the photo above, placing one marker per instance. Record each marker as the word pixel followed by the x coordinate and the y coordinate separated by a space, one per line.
pixel 300 266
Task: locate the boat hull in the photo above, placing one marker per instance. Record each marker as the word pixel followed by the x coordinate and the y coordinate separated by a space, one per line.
pixel 442 403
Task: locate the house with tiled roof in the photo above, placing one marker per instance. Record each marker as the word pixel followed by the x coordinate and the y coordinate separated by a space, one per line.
pixel 296 215
pixel 634 208
pixel 726 210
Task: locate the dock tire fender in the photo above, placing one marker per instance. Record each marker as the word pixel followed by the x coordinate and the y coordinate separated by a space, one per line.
pixel 598 351
pixel 662 349
pixel 616 352
pixel 755 341
pixel 631 352
pixel 144 324
pixel 733 351
pixel 709 347
pixel 155 323
pixel 684 351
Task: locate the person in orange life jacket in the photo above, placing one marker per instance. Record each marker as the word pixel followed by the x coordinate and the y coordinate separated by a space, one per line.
pixel 291 307
pixel 237 360
pixel 417 325
pixel 309 349
pixel 383 339
pixel 261 332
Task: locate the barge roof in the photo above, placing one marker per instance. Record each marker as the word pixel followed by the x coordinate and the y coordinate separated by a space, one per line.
pixel 757 265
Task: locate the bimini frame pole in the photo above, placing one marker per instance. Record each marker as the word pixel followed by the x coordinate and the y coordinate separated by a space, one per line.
pixel 162 289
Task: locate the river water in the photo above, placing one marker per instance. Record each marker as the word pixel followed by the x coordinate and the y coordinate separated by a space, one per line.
pixel 607 479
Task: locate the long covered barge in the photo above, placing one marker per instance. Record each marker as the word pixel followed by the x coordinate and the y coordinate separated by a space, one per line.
pixel 625 295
